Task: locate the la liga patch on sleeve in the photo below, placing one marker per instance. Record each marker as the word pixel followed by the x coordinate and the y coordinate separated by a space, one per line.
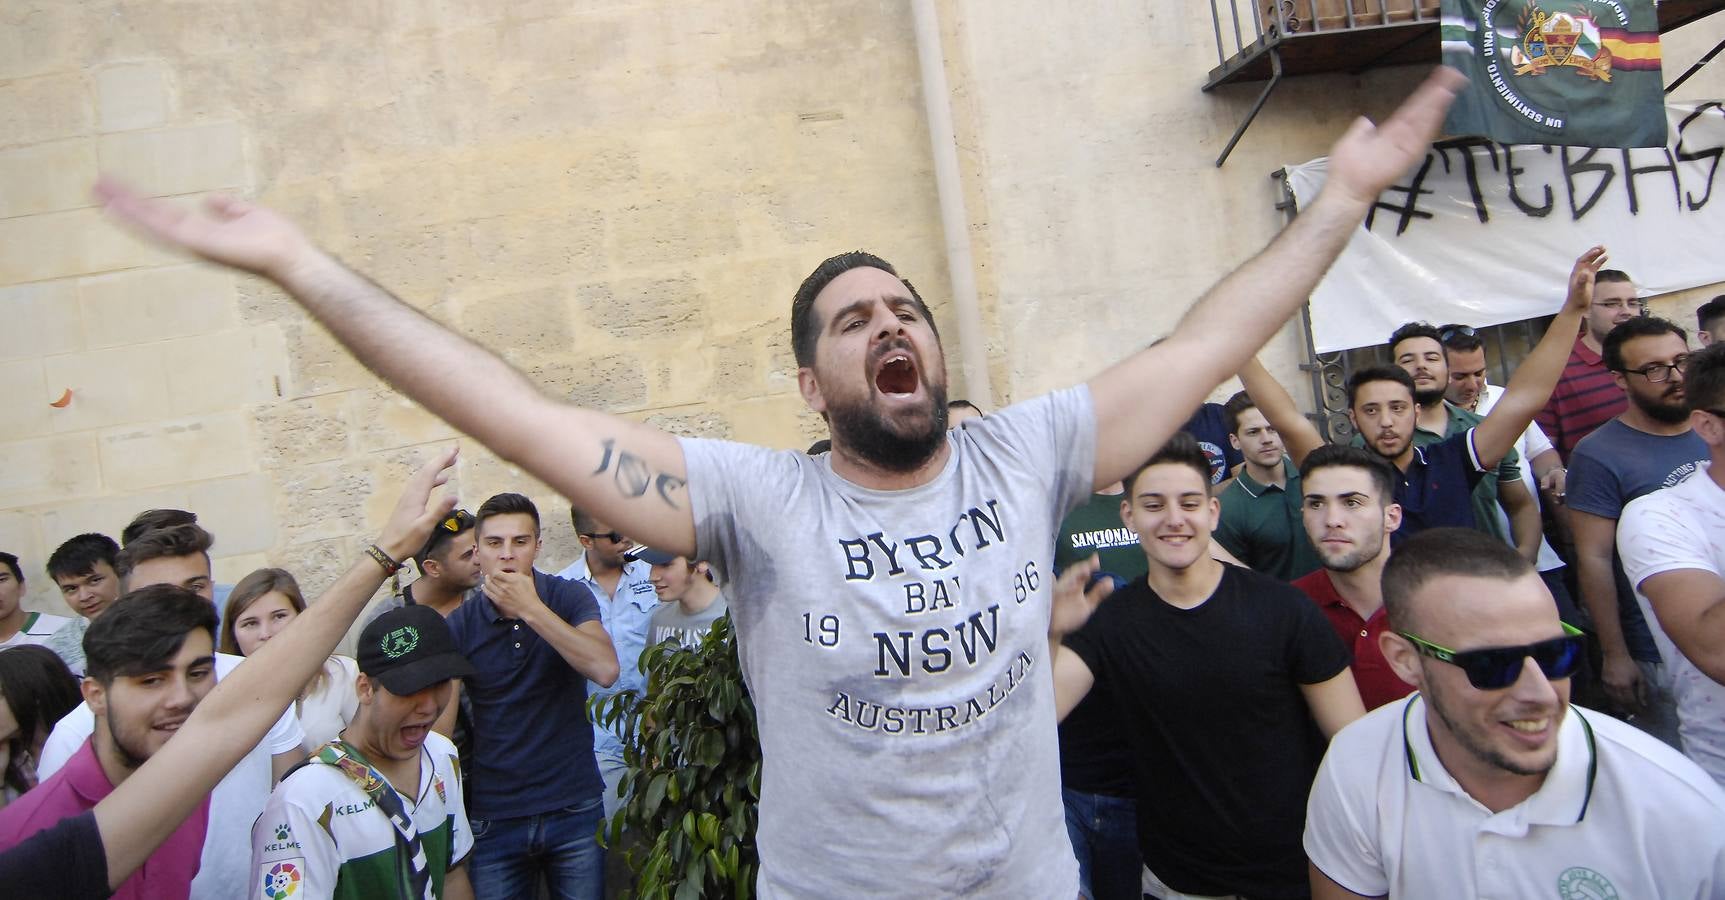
pixel 281 879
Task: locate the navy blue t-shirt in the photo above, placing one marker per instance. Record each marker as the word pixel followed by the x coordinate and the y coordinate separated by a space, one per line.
pixel 532 741
pixel 1210 426
pixel 1436 491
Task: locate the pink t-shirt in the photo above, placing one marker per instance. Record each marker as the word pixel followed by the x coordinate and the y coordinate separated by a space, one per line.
pixel 79 786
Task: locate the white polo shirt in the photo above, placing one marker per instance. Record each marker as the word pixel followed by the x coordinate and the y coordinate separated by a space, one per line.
pixel 37 629
pixel 1681 527
pixel 1620 815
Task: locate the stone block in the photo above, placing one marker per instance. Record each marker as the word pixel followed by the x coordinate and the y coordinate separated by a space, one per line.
pixel 609 383
pixel 49 108
pixel 175 451
pixel 79 242
pixel 49 469
pixel 132 95
pixel 384 420
pixel 24 399
pixel 411 264
pixel 240 512
pixel 298 432
pixel 40 38
pixel 180 160
pixel 20 537
pixel 156 304
pixel 226 370
pixel 316 564
pixel 628 308
pixel 107 514
pixel 535 322
pixel 230 569
pixel 484 253
pixel 47 177
pixel 704 423
pixel 328 499
pixel 113 386
pixel 319 364
pixel 675 232
pixel 41 319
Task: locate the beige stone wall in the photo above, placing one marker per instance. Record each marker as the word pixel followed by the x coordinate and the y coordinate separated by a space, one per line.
pixel 619 197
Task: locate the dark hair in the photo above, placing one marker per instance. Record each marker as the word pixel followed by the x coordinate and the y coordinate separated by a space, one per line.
pixel 40 690
pixel 1181 449
pixel 152 519
pixel 184 539
pixel 1460 338
pixel 506 504
pixel 1415 330
pixel 1341 456
pixel 1612 276
pixel 441 536
pixel 143 630
pixel 1436 552
pixel 11 562
pixel 805 331
pixel 1708 314
pixel 964 404
pixel 78 555
pixel 1611 349
pixel 1236 405
pixel 583 521
pixel 824 445
pixel 1369 374
pixel 1704 378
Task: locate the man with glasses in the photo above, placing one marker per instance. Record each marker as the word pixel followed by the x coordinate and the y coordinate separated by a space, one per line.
pixel 1673 547
pixel 1586 398
pixel 1487 782
pixel 1648 447
pixel 624 588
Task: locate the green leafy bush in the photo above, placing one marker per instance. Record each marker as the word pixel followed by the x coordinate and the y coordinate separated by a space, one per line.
pixel 694 773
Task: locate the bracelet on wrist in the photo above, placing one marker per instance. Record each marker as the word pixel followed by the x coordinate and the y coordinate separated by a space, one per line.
pixel 390 566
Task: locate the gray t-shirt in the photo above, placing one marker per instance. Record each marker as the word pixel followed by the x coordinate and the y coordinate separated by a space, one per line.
pixel 895 644
pixel 670 622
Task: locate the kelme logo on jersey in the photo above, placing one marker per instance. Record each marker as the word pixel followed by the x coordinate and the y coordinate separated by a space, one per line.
pixel 281 880
pixel 400 642
pixel 284 840
pixel 1580 883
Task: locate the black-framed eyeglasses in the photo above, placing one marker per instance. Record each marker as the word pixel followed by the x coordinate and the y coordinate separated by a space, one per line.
pixel 1450 331
pixel 1659 373
pixel 1495 668
pixel 457 521
pixel 615 537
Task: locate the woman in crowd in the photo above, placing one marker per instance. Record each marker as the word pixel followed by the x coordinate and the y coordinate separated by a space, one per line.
pixel 36 689
pixel 260 607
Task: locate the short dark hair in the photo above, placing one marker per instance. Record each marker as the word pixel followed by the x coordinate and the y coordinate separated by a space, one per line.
pixel 152 519
pixel 1708 314
pixel 40 690
pixel 1415 330
pixel 1181 449
pixel 78 555
pixel 582 520
pixel 1341 456
pixel 184 539
pixel 143 630
pixel 11 562
pixel 1704 378
pixel 440 537
pixel 1437 552
pixel 507 504
pixel 1236 405
pixel 1460 338
pixel 1369 374
pixel 1611 349
pixel 805 331
pixel 824 445
pixel 964 404
pixel 1612 276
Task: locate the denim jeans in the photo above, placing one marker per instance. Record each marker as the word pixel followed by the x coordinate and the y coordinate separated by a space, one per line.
pixel 1104 832
pixel 511 856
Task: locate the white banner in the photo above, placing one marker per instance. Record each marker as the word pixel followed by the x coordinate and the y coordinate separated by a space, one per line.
pixel 1486 234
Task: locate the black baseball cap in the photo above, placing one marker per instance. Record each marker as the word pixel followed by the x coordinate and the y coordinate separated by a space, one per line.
pixel 650 556
pixel 410 649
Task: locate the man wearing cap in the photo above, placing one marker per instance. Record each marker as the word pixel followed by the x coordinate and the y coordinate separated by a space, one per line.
pixel 689 597
pixel 377 812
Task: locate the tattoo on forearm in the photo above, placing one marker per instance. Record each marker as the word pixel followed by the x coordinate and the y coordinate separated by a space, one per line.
pixel 634 478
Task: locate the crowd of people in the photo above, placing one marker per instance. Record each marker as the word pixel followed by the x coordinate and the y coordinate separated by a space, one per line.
pixel 1109 642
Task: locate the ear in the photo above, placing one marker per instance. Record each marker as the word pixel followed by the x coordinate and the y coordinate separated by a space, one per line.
pixel 363 687
pixel 1404 660
pixel 95 695
pixel 430 568
pixel 1353 420
pixel 1392 517
pixel 1234 441
pixel 1126 516
pixel 1621 381
pixel 811 390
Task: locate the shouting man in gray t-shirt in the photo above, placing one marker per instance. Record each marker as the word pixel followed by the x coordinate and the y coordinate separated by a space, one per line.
pixel 892 597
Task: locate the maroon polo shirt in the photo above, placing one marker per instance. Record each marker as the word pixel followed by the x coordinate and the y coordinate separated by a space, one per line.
pixel 1586 398
pixel 1377 682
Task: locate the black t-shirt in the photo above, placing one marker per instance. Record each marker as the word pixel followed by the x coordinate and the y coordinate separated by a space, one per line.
pixel 1223 745
pixel 64 860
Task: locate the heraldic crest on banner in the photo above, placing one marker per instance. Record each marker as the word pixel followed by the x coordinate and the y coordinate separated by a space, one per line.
pixel 1560 39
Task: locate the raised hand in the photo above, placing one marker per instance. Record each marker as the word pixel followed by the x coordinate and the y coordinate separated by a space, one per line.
pixel 225 230
pixel 415 513
pixel 1587 265
pixel 1073 602
pixel 1369 158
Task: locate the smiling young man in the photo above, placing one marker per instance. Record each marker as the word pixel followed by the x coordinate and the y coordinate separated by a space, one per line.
pixel 378 812
pixel 151 659
pixel 1488 783
pixel 83 568
pixel 1220 798
pixel 892 596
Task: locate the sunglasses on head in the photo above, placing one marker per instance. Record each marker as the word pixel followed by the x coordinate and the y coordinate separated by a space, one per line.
pixel 615 537
pixel 1450 331
pixel 1494 668
pixel 457 521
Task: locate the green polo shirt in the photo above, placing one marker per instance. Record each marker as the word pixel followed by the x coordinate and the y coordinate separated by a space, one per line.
pixel 1261 526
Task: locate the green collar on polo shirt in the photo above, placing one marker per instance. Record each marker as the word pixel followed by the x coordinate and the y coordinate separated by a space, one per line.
pixel 1563 798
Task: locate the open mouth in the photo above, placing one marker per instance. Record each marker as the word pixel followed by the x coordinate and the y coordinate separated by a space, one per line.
pixel 896 375
pixel 414 735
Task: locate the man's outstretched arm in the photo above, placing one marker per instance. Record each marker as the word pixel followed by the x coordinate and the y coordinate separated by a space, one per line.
pixel 627 474
pixel 1138 406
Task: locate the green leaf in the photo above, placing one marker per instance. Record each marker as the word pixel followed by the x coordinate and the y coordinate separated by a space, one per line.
pixel 656 791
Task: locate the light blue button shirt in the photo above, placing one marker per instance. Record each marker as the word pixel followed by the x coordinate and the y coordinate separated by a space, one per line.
pixel 626 617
